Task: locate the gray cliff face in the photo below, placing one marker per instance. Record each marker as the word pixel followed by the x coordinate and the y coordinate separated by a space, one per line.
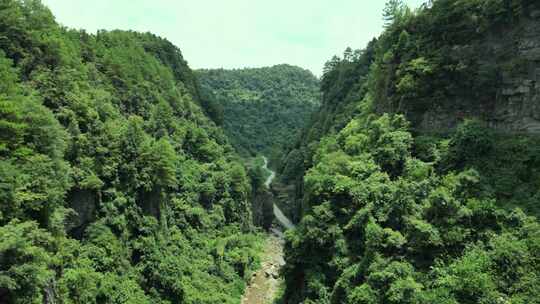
pixel 510 57
pixel 518 102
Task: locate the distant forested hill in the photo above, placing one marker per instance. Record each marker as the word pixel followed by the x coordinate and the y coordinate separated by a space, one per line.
pixel 115 187
pixel 264 108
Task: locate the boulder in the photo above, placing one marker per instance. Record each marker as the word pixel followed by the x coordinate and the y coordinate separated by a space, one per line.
pixel 535 14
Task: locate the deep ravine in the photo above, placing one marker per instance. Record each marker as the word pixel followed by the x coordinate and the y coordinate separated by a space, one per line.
pixel 264 283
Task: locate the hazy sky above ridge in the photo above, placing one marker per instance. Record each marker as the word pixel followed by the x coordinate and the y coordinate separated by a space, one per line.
pixel 238 33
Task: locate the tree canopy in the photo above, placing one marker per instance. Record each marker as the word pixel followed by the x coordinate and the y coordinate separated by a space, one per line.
pixel 116 186
pixel 403 209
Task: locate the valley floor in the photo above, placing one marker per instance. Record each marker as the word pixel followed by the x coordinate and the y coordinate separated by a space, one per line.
pixel 265 283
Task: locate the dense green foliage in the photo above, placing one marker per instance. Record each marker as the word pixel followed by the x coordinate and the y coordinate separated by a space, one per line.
pixel 118 186
pixel 115 187
pixel 397 214
pixel 344 83
pixel 264 108
pixel 390 228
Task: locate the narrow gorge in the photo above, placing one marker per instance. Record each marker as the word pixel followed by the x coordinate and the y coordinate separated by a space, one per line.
pixel 404 171
pixel 264 285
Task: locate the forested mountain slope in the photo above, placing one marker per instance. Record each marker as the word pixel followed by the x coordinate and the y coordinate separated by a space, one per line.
pixel 115 187
pixel 264 108
pixel 415 182
pixel 409 177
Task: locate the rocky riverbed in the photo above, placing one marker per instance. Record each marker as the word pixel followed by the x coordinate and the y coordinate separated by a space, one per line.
pixel 264 283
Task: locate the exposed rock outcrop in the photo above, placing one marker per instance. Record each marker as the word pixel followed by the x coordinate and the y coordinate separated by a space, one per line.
pixel 508 59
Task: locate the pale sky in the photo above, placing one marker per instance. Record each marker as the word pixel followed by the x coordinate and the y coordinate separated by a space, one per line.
pixel 238 33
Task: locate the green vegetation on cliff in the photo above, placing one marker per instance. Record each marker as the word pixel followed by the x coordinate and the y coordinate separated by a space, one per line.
pixel 391 227
pixel 416 181
pixel 115 187
pixel 408 179
pixel 264 108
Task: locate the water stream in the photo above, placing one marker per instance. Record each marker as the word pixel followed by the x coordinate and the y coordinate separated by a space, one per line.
pixel 282 219
pixel 265 283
